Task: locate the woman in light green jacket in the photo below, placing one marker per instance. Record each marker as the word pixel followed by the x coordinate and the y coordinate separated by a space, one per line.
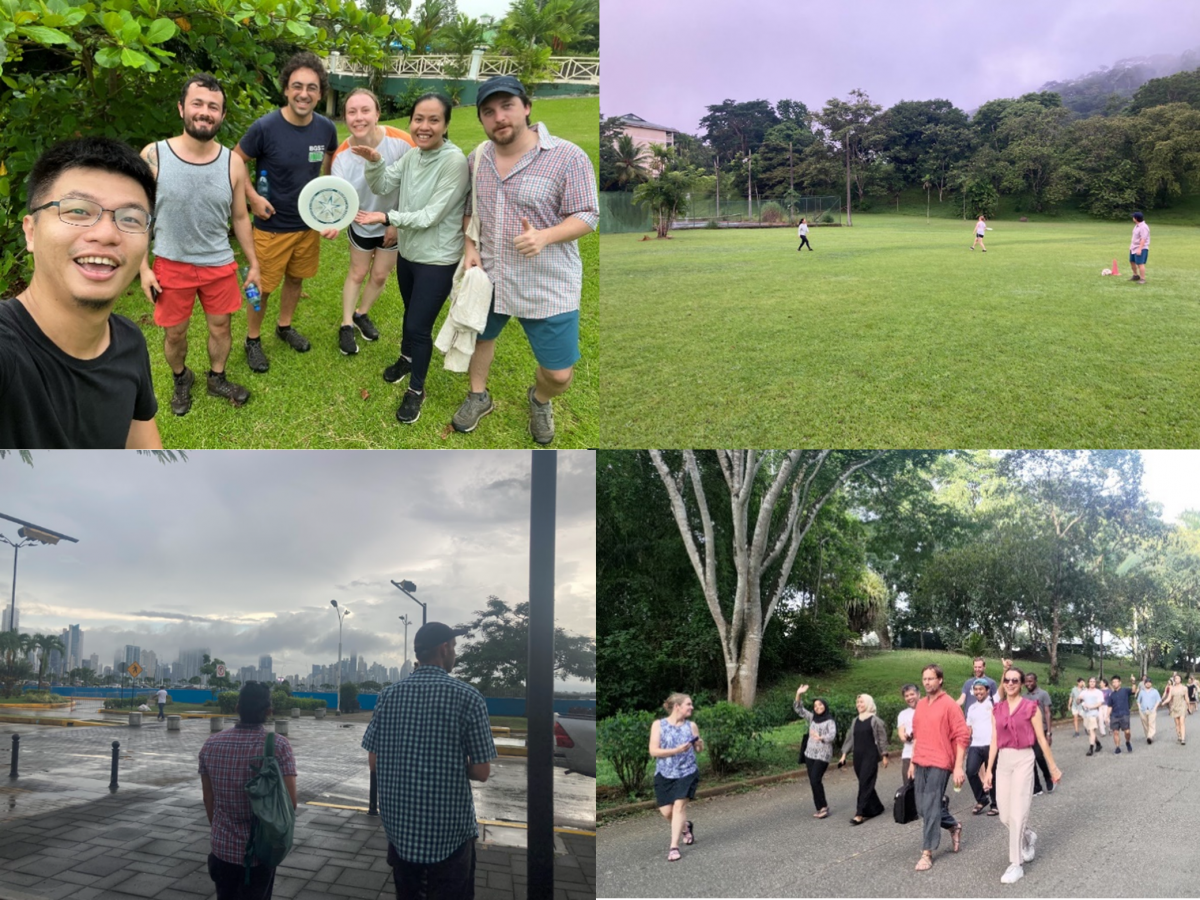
pixel 433 185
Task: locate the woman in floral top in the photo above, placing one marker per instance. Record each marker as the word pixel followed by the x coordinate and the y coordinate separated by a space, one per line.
pixel 819 751
pixel 674 742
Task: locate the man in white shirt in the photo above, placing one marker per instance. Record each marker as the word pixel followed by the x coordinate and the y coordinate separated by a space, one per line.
pixel 1148 699
pixel 979 720
pixel 904 727
pixel 1091 700
pixel 162 704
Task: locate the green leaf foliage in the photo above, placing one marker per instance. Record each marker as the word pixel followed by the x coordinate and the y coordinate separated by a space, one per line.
pixel 623 742
pixel 730 734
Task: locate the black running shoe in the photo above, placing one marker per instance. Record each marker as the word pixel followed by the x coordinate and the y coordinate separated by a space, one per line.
pixel 255 358
pixel 397 370
pixel 346 340
pixel 410 407
pixel 293 338
pixel 365 327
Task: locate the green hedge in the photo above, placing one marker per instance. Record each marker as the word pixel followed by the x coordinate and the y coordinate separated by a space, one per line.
pixel 730 735
pixel 624 739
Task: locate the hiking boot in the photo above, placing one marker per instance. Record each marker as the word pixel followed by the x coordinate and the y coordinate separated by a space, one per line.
pixel 229 390
pixel 292 338
pixel 181 400
pixel 474 408
pixel 541 419
pixel 255 358
pixel 346 340
pixel 397 370
pixel 410 407
pixel 365 327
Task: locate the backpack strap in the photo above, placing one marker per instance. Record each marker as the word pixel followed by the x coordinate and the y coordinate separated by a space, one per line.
pixel 269 746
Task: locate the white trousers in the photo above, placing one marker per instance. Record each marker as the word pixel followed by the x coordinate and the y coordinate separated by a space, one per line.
pixel 1014 794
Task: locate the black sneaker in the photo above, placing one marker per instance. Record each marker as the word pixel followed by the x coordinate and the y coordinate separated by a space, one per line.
pixel 397 370
pixel 293 338
pixel 181 400
pixel 365 327
pixel 1049 787
pixel 235 393
pixel 410 407
pixel 1038 792
pixel 255 358
pixel 346 340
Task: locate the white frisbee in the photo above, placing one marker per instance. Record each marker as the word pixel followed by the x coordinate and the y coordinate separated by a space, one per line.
pixel 989 229
pixel 328 202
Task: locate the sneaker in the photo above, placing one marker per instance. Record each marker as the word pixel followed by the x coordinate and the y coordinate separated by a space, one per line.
pixel 397 370
pixel 1141 281
pixel 410 407
pixel 1118 750
pixel 365 327
pixel 346 340
pixel 218 386
pixel 293 338
pixel 1012 875
pixel 255 358
pixel 541 419
pixel 474 408
pixel 1136 278
pixel 1091 750
pixel 181 400
pixel 1030 845
pixel 1149 740
pixel 1128 747
pixel 1049 787
pixel 1038 792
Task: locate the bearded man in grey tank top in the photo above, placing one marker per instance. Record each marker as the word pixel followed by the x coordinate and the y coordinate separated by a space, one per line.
pixel 201 185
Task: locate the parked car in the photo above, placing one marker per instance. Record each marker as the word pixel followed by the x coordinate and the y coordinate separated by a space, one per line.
pixel 575 741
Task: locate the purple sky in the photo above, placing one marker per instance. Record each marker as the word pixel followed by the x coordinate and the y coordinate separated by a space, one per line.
pixel 667 60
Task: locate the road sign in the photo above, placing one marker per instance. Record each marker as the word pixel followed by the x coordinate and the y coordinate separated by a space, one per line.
pixel 220 671
pixel 134 669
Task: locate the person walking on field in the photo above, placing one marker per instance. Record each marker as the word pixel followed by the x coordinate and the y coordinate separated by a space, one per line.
pixel 1148 700
pixel 1176 700
pixel 804 236
pixel 868 737
pixel 1091 700
pixel 980 228
pixel 941 736
pixel 674 742
pixel 162 704
pixel 1017 726
pixel 1191 689
pixel 1139 248
pixel 904 729
pixel 1106 691
pixel 819 751
pixel 1118 705
pixel 979 720
pixel 1076 709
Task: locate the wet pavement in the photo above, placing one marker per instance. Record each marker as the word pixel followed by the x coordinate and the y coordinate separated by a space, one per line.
pixel 63 834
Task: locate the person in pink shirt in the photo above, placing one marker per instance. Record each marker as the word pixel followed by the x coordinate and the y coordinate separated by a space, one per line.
pixel 1139 248
pixel 940 736
pixel 1017 725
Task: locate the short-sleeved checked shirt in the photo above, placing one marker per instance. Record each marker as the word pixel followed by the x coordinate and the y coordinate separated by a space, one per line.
pixel 425 731
pixel 225 759
pixel 549 184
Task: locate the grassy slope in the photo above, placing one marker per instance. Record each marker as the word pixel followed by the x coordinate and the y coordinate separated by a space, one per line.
pixel 315 399
pixel 894 334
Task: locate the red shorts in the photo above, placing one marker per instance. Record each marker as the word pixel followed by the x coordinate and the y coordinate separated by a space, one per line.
pixel 217 286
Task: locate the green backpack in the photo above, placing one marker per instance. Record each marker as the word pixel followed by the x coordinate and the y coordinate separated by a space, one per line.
pixel 274 817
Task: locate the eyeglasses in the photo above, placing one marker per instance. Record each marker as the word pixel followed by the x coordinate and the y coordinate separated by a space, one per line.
pixel 1012 680
pixel 85 213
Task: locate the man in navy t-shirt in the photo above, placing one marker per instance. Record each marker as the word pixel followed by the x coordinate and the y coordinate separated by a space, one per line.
pixel 292 145
pixel 1119 702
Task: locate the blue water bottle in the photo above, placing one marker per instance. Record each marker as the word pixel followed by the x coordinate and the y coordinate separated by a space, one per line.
pixel 263 188
pixel 251 290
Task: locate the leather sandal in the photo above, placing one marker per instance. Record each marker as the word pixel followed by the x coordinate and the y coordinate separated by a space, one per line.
pixel 822 814
pixel 688 837
pixel 956 836
pixel 673 855
pixel 925 863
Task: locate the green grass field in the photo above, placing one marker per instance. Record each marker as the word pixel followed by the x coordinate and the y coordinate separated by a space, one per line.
pixel 893 333
pixel 316 399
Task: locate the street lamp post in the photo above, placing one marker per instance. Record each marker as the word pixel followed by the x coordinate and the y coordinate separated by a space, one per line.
pixel 30 534
pixel 342 612
pixel 405 619
pixel 406 586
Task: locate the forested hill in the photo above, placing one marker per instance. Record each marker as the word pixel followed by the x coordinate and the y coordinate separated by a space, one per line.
pixel 1108 88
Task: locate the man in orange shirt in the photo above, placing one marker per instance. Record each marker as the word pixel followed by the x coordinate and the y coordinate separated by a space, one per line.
pixel 940 738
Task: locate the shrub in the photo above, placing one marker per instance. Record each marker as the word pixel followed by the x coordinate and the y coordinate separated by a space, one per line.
pixel 975 644
pixel 730 736
pixel 41 697
pixel 713 224
pixel 349 698
pixel 771 212
pixel 227 700
pixel 826 219
pixel 624 739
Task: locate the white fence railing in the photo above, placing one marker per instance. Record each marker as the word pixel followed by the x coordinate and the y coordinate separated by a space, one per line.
pixel 566 69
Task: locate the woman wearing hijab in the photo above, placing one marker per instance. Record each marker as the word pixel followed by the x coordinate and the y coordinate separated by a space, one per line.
pixel 818 753
pixel 868 737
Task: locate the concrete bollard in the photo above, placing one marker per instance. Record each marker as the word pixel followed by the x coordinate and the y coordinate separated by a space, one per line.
pixel 320 713
pixel 135 718
pixel 281 726
pixel 295 713
pixel 173 723
pixel 216 723
pixel 116 752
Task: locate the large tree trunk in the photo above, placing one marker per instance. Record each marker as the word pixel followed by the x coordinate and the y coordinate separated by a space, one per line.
pixel 1055 630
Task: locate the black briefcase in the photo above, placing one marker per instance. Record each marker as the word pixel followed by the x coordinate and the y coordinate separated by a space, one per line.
pixel 905 809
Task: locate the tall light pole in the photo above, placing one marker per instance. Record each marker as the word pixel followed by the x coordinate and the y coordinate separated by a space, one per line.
pixel 405 620
pixel 342 612
pixel 30 534
pixel 406 586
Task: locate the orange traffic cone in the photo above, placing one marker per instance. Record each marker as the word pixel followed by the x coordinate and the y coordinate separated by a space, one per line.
pixel 1115 272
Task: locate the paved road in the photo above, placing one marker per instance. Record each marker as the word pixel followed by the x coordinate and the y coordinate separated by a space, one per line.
pixel 1105 832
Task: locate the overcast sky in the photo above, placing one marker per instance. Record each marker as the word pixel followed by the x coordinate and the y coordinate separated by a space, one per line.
pixel 668 60
pixel 241 551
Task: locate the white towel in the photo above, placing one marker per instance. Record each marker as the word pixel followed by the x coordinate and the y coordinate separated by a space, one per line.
pixel 470 301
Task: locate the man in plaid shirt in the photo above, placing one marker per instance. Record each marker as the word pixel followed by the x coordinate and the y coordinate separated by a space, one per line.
pixel 224 771
pixel 429 735
pixel 536 196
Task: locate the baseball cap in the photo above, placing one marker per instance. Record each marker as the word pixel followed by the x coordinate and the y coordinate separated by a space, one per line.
pixel 979 681
pixel 501 84
pixel 432 634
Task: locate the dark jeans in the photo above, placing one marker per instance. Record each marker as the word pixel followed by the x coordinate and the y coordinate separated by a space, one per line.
pixel 230 879
pixel 976 757
pixel 803 241
pixel 451 879
pixel 424 289
pixel 929 785
pixel 1039 759
pixel 161 708
pixel 816 771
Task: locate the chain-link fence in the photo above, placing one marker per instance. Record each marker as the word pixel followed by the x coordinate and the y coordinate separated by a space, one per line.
pixel 620 215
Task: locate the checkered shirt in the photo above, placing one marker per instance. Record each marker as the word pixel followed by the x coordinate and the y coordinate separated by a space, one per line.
pixel 549 184
pixel 225 759
pixel 425 731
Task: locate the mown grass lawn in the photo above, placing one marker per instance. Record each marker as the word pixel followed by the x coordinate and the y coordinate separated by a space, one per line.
pixel 327 400
pixel 893 333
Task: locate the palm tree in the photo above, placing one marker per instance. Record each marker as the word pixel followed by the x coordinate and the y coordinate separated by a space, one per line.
pixel 462 35
pixel 163 456
pixel 427 24
pixel 15 667
pixel 45 644
pixel 632 163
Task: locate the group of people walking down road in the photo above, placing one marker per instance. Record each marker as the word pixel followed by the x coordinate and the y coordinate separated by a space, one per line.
pixel 996 738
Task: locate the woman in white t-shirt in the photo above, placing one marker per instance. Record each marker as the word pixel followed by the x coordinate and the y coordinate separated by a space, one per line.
pixel 1091 700
pixel 980 228
pixel 372 247
pixel 804 236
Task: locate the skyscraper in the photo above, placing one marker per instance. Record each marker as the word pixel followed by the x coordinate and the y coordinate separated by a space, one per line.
pixel 189 664
pixel 16 615
pixel 133 654
pixel 264 669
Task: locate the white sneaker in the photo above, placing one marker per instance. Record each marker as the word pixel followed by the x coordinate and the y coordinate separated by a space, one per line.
pixel 1012 874
pixel 1030 844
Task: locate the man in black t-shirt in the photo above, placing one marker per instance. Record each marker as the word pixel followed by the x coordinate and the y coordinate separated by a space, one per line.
pixel 72 374
pixel 1119 702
